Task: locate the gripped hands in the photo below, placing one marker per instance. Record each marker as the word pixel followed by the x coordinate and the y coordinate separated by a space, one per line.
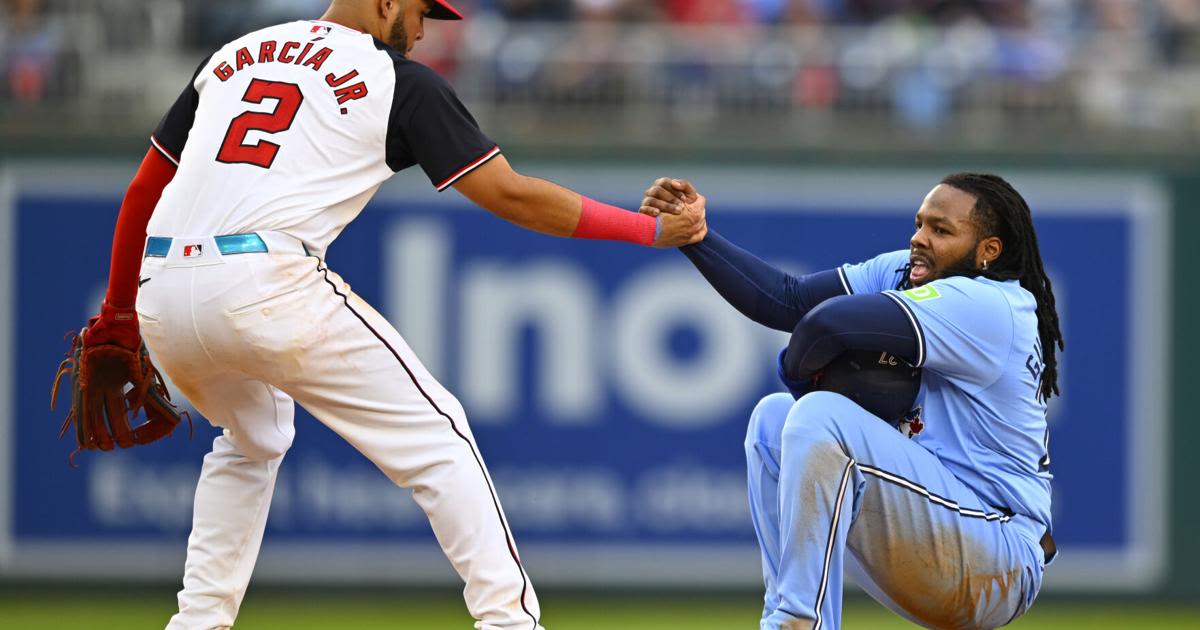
pixel 679 208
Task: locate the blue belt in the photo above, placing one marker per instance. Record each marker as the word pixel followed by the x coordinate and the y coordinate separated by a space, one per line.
pixel 249 243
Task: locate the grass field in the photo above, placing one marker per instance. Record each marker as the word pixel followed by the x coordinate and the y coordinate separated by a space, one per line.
pixel 306 610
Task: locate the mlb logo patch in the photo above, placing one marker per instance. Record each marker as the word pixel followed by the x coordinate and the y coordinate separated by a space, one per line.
pixel 323 30
pixel 193 251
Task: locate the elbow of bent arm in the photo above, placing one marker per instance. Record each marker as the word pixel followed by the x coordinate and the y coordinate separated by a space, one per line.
pixel 508 198
pixel 527 202
pixel 814 342
pixel 495 187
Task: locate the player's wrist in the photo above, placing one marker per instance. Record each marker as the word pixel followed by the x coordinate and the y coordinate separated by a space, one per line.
pixel 114 325
pixel 600 221
pixel 118 314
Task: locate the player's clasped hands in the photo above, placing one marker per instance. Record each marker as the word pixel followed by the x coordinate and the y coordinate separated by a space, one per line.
pixel 680 209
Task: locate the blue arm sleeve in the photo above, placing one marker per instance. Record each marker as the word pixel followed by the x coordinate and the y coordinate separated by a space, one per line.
pixel 757 289
pixel 852 322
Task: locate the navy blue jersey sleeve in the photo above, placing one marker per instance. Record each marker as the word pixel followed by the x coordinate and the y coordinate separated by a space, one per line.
pixel 880 273
pixel 854 322
pixel 964 328
pixel 429 126
pixel 757 289
pixel 172 132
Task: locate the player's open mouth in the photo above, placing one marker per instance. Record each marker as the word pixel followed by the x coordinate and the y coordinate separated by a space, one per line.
pixel 918 271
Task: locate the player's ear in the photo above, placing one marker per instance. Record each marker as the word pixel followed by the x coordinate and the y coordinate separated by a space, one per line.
pixel 386 9
pixel 988 250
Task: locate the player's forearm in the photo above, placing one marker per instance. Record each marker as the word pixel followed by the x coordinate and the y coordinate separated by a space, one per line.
pixel 548 208
pixel 851 322
pixel 538 205
pixel 760 291
pixel 129 237
pixel 752 286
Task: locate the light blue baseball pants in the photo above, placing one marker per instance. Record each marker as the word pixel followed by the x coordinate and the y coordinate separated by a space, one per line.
pixel 827 477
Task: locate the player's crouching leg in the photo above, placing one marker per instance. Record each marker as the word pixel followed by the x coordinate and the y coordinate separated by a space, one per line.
pixel 766 422
pixel 818 491
pixel 762 485
pixel 833 419
pixel 263 446
pixel 824 431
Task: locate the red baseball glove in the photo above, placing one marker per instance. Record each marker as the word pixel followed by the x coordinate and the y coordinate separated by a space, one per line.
pixel 112 379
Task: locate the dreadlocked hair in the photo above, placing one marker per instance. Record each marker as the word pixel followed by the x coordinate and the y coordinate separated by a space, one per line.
pixel 1001 211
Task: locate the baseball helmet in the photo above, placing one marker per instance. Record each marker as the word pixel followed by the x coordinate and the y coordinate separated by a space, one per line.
pixel 879 382
pixel 442 10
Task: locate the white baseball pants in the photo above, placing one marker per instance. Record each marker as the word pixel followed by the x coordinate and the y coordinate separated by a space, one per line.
pixel 244 336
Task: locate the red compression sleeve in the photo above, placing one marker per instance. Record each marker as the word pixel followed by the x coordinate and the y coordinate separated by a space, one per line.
pixel 129 239
pixel 609 223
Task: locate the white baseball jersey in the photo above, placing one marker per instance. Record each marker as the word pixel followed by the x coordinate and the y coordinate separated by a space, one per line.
pixel 293 128
pixel 288 132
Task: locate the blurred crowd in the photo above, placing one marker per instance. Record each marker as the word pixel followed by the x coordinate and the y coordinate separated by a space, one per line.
pixel 920 60
pixel 31 49
pixel 1154 14
pixel 1166 20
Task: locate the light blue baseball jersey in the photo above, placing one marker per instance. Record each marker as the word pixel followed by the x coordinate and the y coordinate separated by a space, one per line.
pixel 982 359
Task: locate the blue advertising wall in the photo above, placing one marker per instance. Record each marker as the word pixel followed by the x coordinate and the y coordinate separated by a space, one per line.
pixel 607 385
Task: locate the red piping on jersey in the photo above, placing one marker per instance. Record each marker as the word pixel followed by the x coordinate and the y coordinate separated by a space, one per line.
pixel 491 153
pixel 154 142
pixel 129 238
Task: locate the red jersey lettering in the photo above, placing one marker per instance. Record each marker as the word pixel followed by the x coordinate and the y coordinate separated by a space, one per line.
pixel 338 81
pixel 284 57
pixel 351 93
pixel 223 71
pixel 317 60
pixel 244 59
pixel 307 47
pixel 266 52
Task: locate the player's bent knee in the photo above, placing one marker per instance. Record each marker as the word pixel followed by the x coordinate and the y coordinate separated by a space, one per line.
pixel 820 404
pixel 261 448
pixel 766 421
pixel 455 409
pixel 448 404
pixel 817 414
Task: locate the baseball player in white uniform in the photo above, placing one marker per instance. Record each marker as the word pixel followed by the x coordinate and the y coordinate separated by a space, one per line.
pixel 278 142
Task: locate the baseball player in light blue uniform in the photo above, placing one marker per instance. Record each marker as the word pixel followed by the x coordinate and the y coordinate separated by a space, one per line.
pixel 950 527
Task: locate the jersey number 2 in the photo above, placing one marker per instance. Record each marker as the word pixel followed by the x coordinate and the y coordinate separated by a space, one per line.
pixel 261 153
